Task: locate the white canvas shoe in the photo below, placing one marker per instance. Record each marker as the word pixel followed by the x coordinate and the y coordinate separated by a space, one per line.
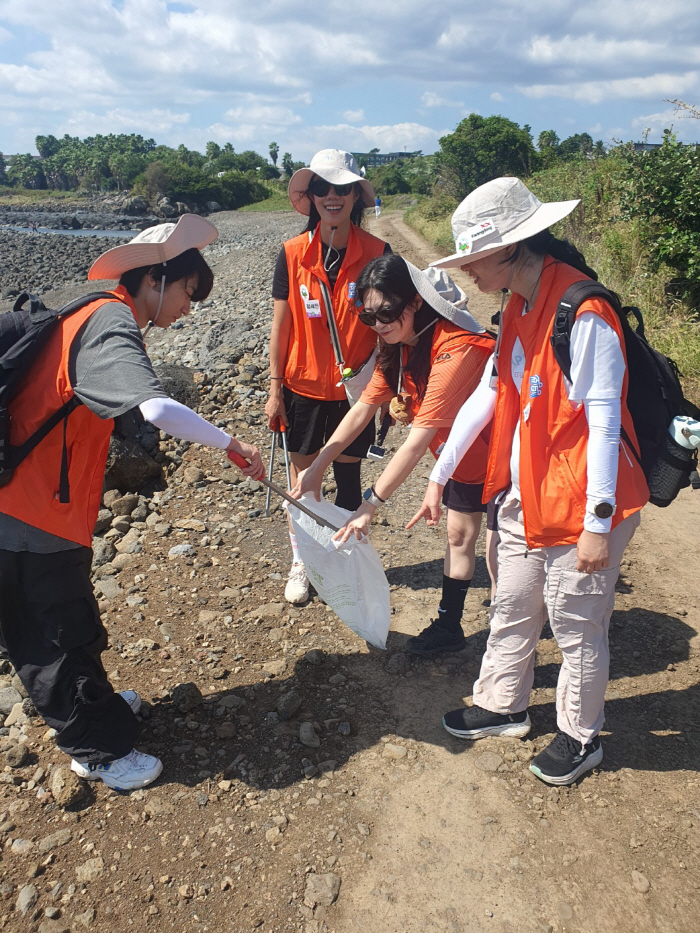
pixel 297 588
pixel 128 773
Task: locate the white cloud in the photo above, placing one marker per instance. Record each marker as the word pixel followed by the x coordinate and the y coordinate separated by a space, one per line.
pixel 354 116
pixel 496 96
pixel 430 99
pixel 594 92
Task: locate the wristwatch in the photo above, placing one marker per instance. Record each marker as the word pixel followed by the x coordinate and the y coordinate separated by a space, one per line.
pixel 604 509
pixel 371 497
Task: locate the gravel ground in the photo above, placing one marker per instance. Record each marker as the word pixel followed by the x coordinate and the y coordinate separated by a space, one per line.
pixel 308 784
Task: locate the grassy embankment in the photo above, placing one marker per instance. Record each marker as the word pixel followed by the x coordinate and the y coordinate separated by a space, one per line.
pixel 611 246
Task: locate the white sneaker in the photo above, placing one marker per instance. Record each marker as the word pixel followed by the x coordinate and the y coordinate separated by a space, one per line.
pixel 133 770
pixel 297 588
pixel 133 699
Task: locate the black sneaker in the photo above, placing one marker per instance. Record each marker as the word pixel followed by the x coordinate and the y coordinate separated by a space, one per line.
pixel 476 723
pixel 435 640
pixel 562 761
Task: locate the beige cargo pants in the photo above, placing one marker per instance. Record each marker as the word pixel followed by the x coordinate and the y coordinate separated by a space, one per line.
pixel 545 583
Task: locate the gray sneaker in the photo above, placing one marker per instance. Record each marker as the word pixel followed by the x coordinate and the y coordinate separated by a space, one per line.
pixel 476 723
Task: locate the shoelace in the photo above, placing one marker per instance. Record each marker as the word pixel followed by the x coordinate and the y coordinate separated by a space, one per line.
pixel 563 744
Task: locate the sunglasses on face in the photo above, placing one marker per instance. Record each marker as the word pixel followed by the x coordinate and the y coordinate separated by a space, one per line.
pixel 385 315
pixel 319 188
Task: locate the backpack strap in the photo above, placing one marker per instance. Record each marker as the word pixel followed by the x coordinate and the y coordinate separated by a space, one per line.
pixel 565 316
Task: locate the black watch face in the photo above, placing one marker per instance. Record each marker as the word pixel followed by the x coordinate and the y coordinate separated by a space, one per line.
pixel 603 510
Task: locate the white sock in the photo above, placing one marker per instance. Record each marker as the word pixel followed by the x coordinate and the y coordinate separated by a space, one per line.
pixel 296 556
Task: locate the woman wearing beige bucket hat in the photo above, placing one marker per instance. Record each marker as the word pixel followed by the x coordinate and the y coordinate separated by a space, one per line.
pixel 93 368
pixel 570 489
pixel 316 339
pixel 431 359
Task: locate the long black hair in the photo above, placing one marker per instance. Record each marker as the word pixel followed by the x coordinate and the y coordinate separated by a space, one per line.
pixel 187 264
pixel 389 275
pixel 356 215
pixel 545 243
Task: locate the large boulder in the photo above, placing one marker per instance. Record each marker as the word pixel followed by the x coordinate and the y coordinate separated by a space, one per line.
pixel 178 382
pixel 136 205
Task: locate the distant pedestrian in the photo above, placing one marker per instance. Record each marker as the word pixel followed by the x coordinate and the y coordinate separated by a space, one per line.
pixel 377 206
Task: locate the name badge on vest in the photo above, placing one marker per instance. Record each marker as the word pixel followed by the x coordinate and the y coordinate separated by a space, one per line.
pixel 352 288
pixel 313 308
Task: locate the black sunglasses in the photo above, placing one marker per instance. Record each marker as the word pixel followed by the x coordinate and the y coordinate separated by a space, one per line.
pixel 319 188
pixel 383 316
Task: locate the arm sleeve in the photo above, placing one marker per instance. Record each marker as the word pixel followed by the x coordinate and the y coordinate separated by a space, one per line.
pixel 597 363
pixel 280 278
pixel 180 421
pixel 110 370
pixel 603 416
pixel 473 417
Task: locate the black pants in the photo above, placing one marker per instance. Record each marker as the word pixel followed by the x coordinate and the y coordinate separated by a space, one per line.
pixel 50 629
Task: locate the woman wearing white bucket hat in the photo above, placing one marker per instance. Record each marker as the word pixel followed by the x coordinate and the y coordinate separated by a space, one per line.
pixel 314 300
pixel 431 359
pixel 570 489
pixel 93 368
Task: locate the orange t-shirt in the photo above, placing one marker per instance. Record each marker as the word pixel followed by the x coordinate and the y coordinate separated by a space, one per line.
pixel 457 360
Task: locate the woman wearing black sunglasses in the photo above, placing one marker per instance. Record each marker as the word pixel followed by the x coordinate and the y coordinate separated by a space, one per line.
pixel 315 276
pixel 431 359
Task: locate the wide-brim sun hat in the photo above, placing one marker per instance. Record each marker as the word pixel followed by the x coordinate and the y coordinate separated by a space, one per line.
pixel 495 215
pixel 333 165
pixel 154 246
pixel 431 285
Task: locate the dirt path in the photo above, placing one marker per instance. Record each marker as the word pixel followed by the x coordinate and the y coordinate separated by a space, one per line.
pixel 466 839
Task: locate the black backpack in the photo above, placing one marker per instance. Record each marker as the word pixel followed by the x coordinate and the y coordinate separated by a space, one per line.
pixel 654 393
pixel 23 334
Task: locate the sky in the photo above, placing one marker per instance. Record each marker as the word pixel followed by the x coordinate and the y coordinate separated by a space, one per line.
pixel 392 74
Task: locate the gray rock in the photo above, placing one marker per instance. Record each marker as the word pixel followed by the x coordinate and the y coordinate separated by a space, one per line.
pixel 108 587
pixel 125 505
pixel 181 550
pixel 27 899
pixel 640 882
pixel 19 687
pixel 102 552
pixel 186 696
pixel 394 752
pixel 8 697
pixel 54 841
pixel 104 520
pixel 17 755
pixel 87 917
pixel 90 870
pixel 66 787
pixel 321 890
pixel 308 736
pixel 130 543
pixel 288 704
pixel 489 761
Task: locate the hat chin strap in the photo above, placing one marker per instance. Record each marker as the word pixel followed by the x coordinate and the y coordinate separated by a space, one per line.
pixel 152 323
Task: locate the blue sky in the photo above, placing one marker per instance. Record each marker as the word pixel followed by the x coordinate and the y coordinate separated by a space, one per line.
pixel 386 73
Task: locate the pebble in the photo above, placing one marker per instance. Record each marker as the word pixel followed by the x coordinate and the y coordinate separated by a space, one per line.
pixel 489 761
pixel 54 841
pixel 181 550
pixel 66 787
pixel 8 697
pixel 321 890
pixel 186 696
pixel 17 756
pixel 640 882
pixel 90 870
pixel 565 911
pixel 27 899
pixel 308 736
pixel 275 668
pixel 288 704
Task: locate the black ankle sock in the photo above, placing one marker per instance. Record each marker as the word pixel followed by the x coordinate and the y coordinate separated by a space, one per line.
pixel 348 482
pixel 454 592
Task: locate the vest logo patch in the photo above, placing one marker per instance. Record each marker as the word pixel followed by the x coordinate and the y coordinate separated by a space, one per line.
pixel 442 357
pixel 352 288
pixel 535 386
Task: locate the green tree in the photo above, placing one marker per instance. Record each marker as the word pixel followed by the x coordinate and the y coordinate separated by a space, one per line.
pixel 25 171
pixel 274 151
pixel 288 164
pixel 580 145
pixel 212 151
pixel 547 139
pixel 47 146
pixel 483 148
pixel 3 170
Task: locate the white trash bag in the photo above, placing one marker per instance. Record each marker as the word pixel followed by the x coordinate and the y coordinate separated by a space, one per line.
pixel 348 577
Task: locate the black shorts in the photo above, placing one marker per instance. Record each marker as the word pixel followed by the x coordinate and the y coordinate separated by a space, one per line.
pixel 492 514
pixel 463 497
pixel 312 421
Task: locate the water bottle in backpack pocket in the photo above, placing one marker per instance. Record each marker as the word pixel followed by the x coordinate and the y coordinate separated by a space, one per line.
pixel 675 463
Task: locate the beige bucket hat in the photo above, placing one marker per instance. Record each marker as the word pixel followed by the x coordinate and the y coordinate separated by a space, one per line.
pixel 155 245
pixel 497 214
pixel 334 165
pixel 432 285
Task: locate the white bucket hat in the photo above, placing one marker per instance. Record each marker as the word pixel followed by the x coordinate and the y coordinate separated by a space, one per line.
pixel 333 165
pixel 497 214
pixel 432 285
pixel 155 245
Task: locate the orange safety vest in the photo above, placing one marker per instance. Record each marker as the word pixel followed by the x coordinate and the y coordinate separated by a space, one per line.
pixel 311 368
pixel 32 495
pixel 553 433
